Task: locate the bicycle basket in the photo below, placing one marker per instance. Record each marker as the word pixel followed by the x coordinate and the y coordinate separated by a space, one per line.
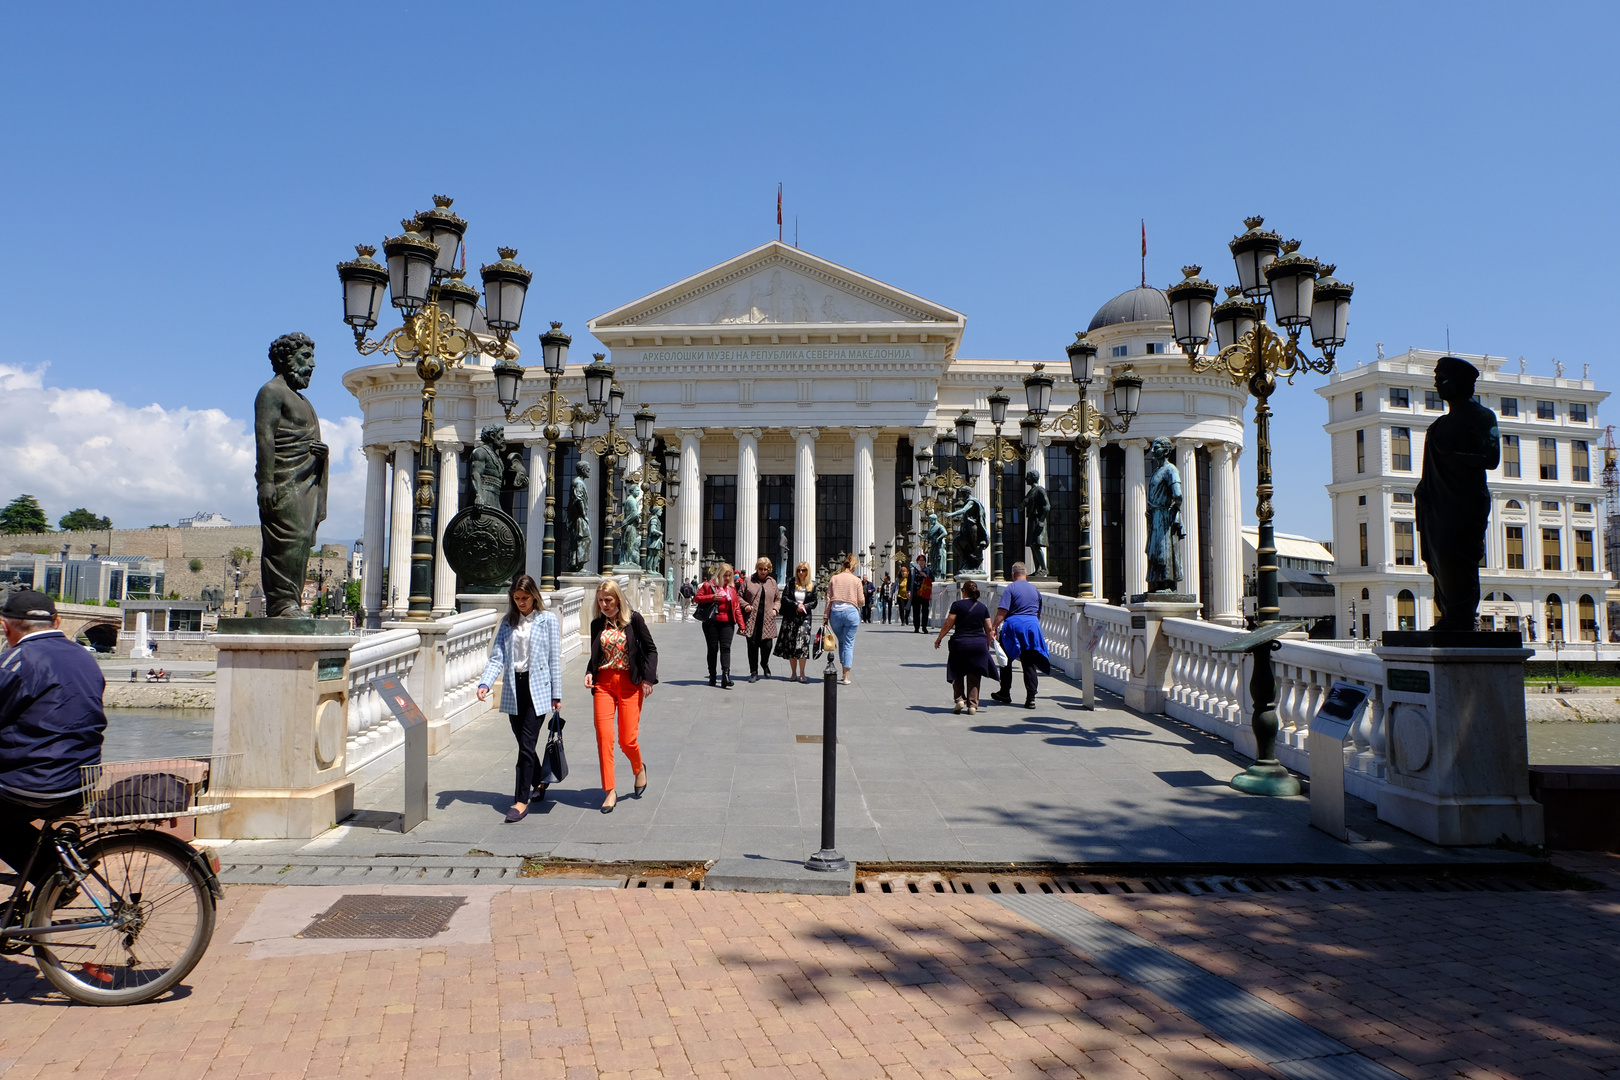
pixel 158 788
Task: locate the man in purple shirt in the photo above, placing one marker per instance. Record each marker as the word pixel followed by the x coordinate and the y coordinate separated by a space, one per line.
pixel 1018 624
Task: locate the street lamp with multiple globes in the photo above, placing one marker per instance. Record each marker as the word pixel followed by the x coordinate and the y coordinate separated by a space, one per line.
pixel 935 493
pixel 1303 293
pixel 1086 425
pixel 1000 452
pixel 439 308
pixel 610 446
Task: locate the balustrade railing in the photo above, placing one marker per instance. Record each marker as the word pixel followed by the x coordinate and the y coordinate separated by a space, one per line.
pixel 466 649
pixel 372 729
pixel 1111 658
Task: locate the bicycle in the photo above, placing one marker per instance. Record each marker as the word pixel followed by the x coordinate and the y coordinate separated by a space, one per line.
pixel 131 910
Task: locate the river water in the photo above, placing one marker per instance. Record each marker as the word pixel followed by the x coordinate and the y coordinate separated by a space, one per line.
pixel 133 734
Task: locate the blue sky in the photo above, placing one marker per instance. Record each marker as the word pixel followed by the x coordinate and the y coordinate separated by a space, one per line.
pixel 200 169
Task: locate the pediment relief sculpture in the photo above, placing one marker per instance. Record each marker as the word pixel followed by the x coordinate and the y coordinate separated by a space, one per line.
pixel 774 297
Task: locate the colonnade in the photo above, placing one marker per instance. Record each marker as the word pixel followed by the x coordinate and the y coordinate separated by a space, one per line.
pixel 388 508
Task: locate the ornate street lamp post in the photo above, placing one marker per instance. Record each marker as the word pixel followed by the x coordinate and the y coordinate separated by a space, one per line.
pixel 1086 425
pixel 999 452
pixel 650 477
pixel 610 446
pixel 1303 293
pixel 439 309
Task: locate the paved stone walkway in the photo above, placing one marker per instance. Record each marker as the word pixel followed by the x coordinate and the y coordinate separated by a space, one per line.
pixel 622 984
pixel 916 783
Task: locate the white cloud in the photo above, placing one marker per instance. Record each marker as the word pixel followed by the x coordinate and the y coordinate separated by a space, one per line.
pixel 149 465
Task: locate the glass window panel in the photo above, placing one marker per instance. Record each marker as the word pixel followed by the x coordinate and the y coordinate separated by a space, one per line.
pixel 1552 555
pixel 1510 455
pixel 1400 445
pixel 1549 458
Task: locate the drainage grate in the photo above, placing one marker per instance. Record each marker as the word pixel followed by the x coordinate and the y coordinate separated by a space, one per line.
pixel 373 916
pixel 655 881
pixel 978 884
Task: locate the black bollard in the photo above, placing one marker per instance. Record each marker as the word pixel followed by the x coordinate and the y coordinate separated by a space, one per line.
pixel 827 858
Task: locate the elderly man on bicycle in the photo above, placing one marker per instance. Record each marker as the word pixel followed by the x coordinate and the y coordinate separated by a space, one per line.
pixel 51 724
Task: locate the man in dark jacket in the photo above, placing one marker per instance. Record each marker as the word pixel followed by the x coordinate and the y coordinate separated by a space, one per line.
pixel 50 726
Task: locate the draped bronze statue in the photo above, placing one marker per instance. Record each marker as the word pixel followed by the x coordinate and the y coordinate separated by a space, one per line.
pixel 1164 524
pixel 291 473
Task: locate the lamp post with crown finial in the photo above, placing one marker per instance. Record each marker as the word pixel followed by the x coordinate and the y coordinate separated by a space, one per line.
pixel 549 414
pixel 1303 293
pixel 440 332
pixel 610 446
pixel 1085 425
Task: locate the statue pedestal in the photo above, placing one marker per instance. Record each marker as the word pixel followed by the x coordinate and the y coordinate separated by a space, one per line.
pixel 1049 585
pixel 1149 680
pixel 1459 769
pixel 281 703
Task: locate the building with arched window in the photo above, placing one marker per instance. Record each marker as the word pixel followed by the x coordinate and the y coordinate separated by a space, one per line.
pixel 1544 543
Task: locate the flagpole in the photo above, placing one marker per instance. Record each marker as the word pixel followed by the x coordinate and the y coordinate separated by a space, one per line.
pixel 1144 253
pixel 779 213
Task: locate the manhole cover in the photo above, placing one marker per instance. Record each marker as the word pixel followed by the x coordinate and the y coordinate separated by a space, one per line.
pixel 372 916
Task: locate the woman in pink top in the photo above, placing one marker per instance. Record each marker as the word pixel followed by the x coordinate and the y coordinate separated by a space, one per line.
pixel 845 595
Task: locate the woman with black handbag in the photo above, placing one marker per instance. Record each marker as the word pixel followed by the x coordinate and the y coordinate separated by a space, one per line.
pixel 527 655
pixel 621 673
pixel 720 608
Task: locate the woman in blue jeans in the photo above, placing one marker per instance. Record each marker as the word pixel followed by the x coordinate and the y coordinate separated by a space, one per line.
pixel 845 596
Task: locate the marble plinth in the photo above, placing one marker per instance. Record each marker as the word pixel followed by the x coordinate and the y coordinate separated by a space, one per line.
pixel 1459 771
pixel 1149 682
pixel 281 702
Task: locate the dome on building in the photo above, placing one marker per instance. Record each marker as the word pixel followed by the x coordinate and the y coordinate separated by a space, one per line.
pixel 1137 305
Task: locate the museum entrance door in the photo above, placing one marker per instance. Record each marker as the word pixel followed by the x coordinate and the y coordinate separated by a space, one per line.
pixel 775 515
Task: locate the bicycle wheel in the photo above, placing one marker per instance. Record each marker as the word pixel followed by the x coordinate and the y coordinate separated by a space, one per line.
pixel 162 920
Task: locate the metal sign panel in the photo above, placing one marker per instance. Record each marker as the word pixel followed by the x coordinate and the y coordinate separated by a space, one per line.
pixel 1269 632
pixel 409 715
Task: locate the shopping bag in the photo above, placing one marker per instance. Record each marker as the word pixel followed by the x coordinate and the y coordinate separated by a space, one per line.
pixel 997 653
pixel 554 763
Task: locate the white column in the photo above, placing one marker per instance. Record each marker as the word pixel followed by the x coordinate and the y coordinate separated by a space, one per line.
pixel 534 553
pixel 1187 463
pixel 1094 495
pixel 864 525
pixel 397 602
pixel 1240 495
pixel 375 532
pixel 444 578
pixel 1135 517
pixel 594 489
pixel 690 501
pixel 747 498
pixel 981 491
pixel 804 495
pixel 1226 552
pixel 883 522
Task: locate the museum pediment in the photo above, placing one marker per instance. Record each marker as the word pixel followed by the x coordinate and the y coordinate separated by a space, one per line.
pixel 776 285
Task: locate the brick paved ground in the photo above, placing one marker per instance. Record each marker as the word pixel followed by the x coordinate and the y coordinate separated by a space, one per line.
pixel 581 983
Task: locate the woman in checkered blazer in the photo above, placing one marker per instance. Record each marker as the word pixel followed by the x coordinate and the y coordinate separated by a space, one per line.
pixel 527 655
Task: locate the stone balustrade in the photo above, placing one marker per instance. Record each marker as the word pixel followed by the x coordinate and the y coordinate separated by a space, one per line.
pixel 466 650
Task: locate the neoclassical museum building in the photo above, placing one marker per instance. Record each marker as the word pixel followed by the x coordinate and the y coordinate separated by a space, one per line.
pixel 798 393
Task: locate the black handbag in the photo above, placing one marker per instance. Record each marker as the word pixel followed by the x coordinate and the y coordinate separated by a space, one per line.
pixel 554 763
pixel 705 611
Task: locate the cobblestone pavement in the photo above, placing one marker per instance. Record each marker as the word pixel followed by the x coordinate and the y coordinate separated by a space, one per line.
pixel 576 983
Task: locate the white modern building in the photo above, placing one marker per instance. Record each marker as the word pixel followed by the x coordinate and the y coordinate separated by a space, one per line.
pixel 798 393
pixel 1304 590
pixel 204 519
pixel 1543 573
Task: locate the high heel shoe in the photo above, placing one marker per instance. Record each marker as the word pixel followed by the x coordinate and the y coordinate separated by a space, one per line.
pixel 643 785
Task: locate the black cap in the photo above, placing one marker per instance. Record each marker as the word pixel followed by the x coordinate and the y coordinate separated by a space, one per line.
pixel 28 604
pixel 1456 367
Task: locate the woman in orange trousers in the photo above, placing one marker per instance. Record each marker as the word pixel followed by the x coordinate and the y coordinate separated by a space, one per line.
pixel 621 673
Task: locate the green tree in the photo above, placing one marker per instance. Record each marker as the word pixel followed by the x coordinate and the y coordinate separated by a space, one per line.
pixel 242 556
pixel 23 515
pixel 82 520
pixel 196 566
pixel 351 594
